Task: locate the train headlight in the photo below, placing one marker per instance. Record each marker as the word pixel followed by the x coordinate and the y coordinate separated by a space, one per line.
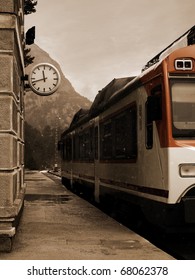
pixel 183 64
pixel 187 170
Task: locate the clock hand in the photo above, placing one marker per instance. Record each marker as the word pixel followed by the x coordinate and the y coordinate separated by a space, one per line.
pixel 43 79
pixel 44 76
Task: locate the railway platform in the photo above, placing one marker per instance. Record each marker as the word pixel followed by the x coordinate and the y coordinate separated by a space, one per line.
pixel 58 225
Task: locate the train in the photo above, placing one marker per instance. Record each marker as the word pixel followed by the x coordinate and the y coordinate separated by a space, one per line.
pixel 135 145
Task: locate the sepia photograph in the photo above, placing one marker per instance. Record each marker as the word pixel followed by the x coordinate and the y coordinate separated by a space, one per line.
pixel 97 146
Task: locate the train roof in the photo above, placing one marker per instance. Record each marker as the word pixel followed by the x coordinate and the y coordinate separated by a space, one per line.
pixel 79 115
pixel 186 39
pixel 100 102
pixel 104 95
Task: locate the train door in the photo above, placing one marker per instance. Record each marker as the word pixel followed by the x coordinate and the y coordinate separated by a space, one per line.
pixel 96 161
pixel 155 154
pixel 153 113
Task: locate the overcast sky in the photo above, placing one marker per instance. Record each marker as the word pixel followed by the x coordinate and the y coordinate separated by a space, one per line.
pixel 95 41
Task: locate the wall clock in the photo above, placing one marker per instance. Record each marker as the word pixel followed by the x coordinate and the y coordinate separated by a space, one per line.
pixel 44 79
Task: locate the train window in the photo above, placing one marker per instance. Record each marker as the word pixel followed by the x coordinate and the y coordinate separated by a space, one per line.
pixel 76 147
pixel 87 146
pixel 126 134
pixel 81 147
pixel 68 149
pixel 119 136
pixel 96 142
pixel 106 140
pixel 153 113
pixel 183 107
pixel 91 143
pixel 131 144
pixel 84 146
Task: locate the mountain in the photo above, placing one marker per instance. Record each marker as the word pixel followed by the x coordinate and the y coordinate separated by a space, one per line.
pixel 56 109
pixel 46 117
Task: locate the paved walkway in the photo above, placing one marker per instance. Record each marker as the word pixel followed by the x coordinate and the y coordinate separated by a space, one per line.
pixel 58 225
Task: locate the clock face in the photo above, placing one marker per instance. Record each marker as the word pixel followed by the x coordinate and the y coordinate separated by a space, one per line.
pixel 44 79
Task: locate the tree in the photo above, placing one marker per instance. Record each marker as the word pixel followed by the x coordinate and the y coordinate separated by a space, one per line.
pixel 28 59
pixel 29 6
pixel 39 147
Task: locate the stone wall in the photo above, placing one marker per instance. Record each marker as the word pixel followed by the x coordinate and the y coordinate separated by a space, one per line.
pixel 12 187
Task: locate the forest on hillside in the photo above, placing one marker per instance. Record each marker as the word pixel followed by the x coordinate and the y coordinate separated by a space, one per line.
pixel 41 147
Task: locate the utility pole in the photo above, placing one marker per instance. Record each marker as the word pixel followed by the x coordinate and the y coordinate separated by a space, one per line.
pixel 56 161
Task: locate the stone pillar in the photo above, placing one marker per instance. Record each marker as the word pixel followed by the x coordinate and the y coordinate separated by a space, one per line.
pixel 12 187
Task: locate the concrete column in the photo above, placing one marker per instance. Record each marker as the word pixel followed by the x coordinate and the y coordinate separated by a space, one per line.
pixel 12 187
